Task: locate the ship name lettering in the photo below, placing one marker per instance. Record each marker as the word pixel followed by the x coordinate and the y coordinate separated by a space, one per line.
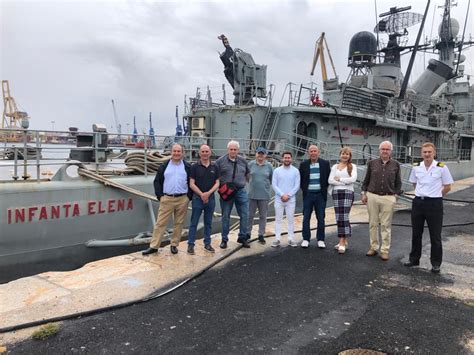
pixel 17 215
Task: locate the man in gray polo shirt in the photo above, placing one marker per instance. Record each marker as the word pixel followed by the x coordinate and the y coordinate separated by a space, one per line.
pixel 261 173
pixel 226 164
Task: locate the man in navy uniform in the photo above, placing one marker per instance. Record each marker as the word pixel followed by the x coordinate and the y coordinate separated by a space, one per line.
pixel 432 181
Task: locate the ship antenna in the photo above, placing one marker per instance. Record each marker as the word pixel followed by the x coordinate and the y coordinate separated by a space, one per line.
pixel 462 39
pixel 413 54
pixel 376 23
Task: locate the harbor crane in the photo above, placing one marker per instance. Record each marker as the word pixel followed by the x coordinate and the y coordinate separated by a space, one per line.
pixel 12 118
pixel 118 126
pixel 151 132
pixel 319 54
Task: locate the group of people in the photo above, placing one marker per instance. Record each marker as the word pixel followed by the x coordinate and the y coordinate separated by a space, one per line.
pixel 177 182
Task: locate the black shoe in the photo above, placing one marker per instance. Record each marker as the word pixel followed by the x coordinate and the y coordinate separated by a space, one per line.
pixel 411 263
pixel 223 245
pixel 435 269
pixel 209 248
pixel 244 242
pixel 174 250
pixel 191 249
pixel 261 239
pixel 149 251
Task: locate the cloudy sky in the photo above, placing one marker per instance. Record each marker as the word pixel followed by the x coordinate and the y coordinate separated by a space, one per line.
pixel 66 60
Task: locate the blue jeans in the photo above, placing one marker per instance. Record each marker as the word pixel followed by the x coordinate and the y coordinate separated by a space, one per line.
pixel 198 206
pixel 241 201
pixel 314 200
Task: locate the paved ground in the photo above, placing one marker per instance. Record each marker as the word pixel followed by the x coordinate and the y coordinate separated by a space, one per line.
pixel 293 300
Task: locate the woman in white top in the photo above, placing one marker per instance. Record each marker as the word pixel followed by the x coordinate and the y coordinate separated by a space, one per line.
pixel 342 178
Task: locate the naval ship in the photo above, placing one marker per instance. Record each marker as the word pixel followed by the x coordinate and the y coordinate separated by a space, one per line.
pixel 50 221
pixel 374 105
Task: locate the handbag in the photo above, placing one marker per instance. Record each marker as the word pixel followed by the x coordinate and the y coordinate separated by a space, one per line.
pixel 228 190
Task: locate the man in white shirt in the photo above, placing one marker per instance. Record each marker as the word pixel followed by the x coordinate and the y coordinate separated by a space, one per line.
pixel 285 183
pixel 432 181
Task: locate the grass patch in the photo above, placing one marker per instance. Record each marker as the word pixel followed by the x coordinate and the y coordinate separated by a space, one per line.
pixel 46 331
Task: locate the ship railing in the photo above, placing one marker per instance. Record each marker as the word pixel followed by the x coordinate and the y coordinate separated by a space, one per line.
pixel 38 155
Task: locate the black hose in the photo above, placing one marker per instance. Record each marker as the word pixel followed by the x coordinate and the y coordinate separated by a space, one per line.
pixel 444 198
pixel 175 287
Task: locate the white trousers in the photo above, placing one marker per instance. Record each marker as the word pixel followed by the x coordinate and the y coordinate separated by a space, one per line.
pixel 289 208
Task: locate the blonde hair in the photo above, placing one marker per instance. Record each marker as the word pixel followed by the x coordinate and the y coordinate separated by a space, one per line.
pixel 349 162
pixel 428 144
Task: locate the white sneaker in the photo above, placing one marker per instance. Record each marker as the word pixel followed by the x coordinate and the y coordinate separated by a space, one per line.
pixel 276 243
pixel 292 243
pixel 337 246
pixel 304 244
pixel 342 249
pixel 321 244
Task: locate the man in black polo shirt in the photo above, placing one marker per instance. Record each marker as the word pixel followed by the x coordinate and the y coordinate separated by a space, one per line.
pixel 204 182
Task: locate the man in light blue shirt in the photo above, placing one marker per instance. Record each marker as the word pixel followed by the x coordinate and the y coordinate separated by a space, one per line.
pixel 172 190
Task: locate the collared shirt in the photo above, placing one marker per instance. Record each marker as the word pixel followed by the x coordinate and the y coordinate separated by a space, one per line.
pixel 383 179
pixel 314 177
pixel 226 168
pixel 260 180
pixel 204 177
pixel 176 180
pixel 429 182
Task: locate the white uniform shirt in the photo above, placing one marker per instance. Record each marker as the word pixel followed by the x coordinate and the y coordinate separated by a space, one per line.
pixel 429 183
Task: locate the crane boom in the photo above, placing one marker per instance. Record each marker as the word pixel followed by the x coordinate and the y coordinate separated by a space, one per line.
pixel 118 126
pixel 319 52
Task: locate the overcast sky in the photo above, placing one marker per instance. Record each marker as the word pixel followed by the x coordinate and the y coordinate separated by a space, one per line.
pixel 66 60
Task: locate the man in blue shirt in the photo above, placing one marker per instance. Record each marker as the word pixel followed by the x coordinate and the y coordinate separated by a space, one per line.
pixel 172 190
pixel 314 174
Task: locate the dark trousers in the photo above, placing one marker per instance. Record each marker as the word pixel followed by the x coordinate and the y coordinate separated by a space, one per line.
pixel 431 211
pixel 314 201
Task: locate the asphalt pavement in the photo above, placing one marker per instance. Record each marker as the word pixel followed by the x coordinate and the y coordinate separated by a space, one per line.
pixel 293 300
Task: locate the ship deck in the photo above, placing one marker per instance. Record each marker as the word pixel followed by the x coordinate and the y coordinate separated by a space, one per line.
pixel 343 288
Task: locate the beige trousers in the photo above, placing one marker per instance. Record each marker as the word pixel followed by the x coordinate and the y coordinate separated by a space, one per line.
pixel 380 212
pixel 176 206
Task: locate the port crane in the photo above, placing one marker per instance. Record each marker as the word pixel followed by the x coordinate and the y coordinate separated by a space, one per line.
pixel 12 117
pixel 118 126
pixel 319 54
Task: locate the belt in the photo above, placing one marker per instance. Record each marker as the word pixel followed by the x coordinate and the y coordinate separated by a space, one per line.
pixel 314 192
pixel 175 195
pixel 428 198
pixel 383 193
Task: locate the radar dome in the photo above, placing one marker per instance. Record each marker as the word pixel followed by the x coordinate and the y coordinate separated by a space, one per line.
pixel 363 46
pixel 454 29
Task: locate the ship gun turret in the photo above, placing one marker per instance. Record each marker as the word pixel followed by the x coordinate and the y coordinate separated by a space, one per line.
pixel 246 78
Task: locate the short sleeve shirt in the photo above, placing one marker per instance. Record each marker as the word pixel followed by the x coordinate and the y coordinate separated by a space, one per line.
pixel 226 169
pixel 204 177
pixel 429 182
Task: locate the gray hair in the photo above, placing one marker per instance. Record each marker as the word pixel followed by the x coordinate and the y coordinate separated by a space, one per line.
pixel 233 143
pixel 179 145
pixel 386 142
